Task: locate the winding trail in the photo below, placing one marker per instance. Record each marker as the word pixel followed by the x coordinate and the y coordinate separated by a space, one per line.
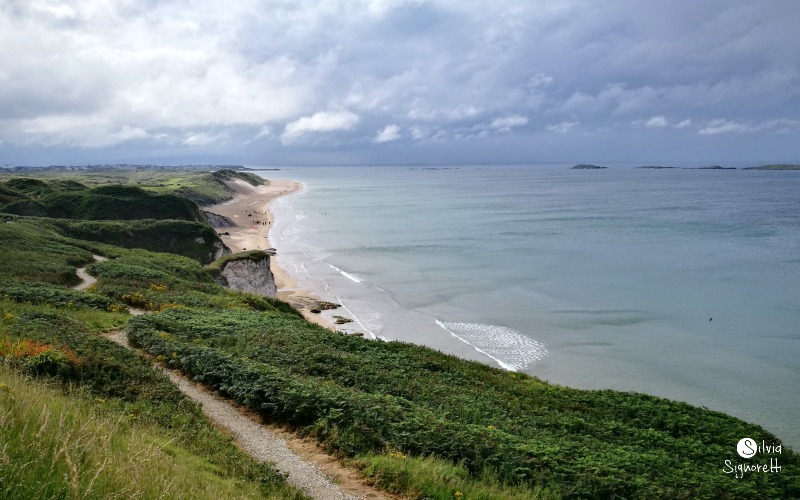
pixel 87 279
pixel 258 440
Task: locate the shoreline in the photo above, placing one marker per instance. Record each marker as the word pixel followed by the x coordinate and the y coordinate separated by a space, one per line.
pixel 250 205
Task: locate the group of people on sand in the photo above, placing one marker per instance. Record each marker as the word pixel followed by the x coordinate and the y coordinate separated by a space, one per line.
pixel 257 213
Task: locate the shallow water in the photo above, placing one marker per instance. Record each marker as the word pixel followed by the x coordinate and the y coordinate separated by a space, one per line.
pixel 678 283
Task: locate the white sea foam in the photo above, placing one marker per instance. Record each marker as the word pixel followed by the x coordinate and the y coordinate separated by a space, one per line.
pixel 512 350
pixel 350 276
pixel 370 320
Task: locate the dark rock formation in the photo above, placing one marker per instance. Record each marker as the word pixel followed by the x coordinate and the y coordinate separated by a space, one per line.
pixel 584 166
pixel 216 220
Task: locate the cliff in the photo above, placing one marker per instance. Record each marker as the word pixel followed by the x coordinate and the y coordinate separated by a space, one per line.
pixel 245 272
pixel 216 220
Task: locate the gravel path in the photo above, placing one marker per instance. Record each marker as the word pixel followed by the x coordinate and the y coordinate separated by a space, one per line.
pixel 255 438
pixel 87 279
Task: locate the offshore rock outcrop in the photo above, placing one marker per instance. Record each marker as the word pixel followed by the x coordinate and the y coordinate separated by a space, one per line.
pixel 246 272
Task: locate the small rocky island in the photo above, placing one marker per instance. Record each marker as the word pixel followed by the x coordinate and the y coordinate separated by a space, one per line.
pixel 584 166
pixel 781 166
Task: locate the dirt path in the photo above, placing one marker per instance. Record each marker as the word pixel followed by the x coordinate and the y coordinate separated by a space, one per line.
pixel 311 472
pixel 87 279
pixel 312 475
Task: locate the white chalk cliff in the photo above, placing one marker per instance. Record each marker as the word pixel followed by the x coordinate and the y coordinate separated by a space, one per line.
pixel 248 275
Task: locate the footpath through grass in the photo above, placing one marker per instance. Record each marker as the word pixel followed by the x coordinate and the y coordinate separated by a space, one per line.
pixel 81 417
pixel 102 423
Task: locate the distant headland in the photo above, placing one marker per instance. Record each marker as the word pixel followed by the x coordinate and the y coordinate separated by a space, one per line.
pixel 774 167
pixel 116 166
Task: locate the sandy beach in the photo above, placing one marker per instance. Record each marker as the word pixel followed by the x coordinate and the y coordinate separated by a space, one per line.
pixel 249 211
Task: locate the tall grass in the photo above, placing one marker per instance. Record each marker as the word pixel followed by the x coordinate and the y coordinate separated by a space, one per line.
pixel 432 478
pixel 54 446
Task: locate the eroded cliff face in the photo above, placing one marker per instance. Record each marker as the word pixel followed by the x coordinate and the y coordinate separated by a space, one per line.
pixel 248 275
pixel 216 220
pixel 219 250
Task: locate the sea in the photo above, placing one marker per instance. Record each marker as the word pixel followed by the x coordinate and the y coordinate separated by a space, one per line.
pixel 680 283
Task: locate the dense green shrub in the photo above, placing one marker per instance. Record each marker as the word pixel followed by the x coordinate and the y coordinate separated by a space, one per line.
pixel 43 293
pixel 33 252
pixel 190 239
pixel 360 396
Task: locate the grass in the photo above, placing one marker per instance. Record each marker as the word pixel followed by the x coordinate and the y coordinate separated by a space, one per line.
pixel 432 478
pixel 72 200
pixel 32 253
pixel 124 386
pixel 202 188
pixel 75 446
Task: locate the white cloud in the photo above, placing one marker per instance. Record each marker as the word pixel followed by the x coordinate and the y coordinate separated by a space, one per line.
pixel 422 111
pixel 656 122
pixel 562 127
pixel 204 139
pixel 388 134
pixel 685 123
pixel 323 121
pixel 265 131
pixel 722 126
pixel 506 123
pixel 539 80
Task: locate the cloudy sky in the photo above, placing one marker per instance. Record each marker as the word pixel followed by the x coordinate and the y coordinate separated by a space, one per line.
pixel 272 82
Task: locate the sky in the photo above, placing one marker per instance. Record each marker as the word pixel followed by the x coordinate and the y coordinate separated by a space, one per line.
pixel 292 82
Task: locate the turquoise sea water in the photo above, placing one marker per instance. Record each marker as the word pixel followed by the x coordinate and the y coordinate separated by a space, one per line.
pixel 678 283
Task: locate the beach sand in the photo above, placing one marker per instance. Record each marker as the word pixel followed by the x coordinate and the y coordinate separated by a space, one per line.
pixel 249 210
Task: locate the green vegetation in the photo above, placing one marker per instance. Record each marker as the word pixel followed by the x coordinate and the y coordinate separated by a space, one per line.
pixel 435 478
pixel 32 253
pixel 210 188
pixel 83 417
pixel 70 200
pixel 57 446
pixel 362 397
pixel 98 421
pixel 190 239
pixel 106 403
pixel 202 188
